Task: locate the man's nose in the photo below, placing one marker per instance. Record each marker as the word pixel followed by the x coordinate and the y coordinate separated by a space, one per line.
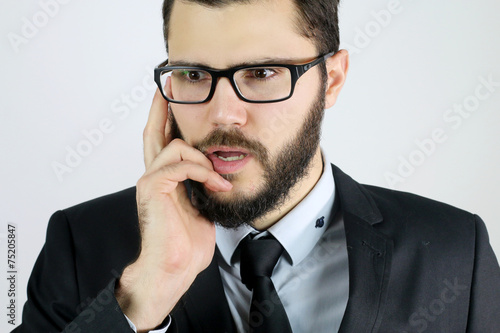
pixel 226 108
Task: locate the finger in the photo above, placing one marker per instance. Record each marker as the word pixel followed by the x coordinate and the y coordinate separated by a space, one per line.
pixel 175 173
pixel 154 132
pixel 168 128
pixel 178 151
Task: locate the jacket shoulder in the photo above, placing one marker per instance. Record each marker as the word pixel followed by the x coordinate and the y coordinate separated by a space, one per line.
pixel 421 225
pixel 116 205
pixel 105 237
pixel 106 223
pixel 404 205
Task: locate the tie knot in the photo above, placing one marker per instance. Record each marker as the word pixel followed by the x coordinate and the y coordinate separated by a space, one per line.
pixel 258 258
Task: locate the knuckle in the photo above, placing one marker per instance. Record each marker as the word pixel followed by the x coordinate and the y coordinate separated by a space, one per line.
pixel 166 169
pixel 187 167
pixel 141 182
pixel 143 185
pixel 170 171
pixel 177 143
pixel 147 132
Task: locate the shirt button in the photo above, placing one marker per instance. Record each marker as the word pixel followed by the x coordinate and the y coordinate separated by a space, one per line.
pixel 320 222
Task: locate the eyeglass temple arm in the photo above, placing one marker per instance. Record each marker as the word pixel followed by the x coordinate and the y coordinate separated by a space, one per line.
pixel 304 68
pixel 163 64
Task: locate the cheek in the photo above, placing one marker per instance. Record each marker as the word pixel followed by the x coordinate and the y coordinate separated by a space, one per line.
pixel 190 122
pixel 275 124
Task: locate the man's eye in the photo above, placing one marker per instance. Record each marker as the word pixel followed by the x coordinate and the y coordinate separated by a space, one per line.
pixel 193 75
pixel 262 73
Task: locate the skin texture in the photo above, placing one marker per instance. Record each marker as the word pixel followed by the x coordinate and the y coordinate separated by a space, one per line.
pixel 177 241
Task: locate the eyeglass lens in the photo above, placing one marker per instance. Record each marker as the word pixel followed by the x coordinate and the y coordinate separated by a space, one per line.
pixel 255 84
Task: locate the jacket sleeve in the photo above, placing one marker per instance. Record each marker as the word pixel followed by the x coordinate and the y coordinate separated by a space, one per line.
pixel 54 302
pixel 484 307
pixel 102 315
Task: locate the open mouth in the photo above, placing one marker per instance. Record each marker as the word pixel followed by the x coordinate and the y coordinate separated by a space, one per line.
pixel 226 160
pixel 230 156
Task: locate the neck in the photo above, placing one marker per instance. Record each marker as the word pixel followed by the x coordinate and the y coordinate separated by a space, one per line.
pixel 297 193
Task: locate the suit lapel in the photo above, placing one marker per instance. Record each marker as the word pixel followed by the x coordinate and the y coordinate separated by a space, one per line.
pixel 369 256
pixel 206 304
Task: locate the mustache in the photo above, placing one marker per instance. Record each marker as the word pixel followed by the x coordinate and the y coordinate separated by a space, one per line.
pixel 234 138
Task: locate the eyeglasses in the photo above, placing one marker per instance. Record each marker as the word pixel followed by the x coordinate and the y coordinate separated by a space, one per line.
pixel 267 83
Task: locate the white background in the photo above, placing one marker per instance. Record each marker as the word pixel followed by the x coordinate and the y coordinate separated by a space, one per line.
pixel 78 66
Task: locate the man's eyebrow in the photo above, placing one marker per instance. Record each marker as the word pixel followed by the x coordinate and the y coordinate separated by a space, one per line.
pixel 262 61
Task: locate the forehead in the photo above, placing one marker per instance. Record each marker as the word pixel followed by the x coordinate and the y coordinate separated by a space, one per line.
pixel 237 33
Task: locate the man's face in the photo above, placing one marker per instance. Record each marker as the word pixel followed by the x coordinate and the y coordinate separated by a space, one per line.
pixel 278 140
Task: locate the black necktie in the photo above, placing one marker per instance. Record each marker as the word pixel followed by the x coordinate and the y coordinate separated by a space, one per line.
pixel 258 258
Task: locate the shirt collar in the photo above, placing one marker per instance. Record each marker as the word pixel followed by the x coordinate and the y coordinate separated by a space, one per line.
pixel 299 230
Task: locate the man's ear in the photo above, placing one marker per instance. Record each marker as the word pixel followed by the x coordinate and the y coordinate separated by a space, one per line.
pixel 336 69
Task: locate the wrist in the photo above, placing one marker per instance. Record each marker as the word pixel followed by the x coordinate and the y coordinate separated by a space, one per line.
pixel 146 297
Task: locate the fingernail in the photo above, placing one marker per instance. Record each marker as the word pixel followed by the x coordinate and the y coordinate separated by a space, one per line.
pixel 225 183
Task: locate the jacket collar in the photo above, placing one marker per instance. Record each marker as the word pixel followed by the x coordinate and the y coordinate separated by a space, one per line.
pixel 355 199
pixel 370 255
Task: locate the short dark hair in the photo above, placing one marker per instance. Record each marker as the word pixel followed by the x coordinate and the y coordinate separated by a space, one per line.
pixel 316 20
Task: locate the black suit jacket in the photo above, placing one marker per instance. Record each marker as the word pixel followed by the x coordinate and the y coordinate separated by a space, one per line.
pixel 415 265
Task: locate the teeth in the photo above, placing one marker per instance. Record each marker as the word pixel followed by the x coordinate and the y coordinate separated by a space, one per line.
pixel 232 158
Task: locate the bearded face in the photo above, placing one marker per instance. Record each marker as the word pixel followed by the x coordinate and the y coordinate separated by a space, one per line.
pixel 281 171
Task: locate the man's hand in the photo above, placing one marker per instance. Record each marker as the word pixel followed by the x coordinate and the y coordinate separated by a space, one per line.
pixel 177 241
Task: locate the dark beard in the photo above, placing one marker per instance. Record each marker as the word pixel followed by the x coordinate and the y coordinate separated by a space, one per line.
pixel 292 164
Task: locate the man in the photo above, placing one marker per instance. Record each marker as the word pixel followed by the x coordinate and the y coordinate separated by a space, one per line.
pixel 297 245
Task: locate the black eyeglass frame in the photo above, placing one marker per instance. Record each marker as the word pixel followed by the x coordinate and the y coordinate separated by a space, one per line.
pixel 296 71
